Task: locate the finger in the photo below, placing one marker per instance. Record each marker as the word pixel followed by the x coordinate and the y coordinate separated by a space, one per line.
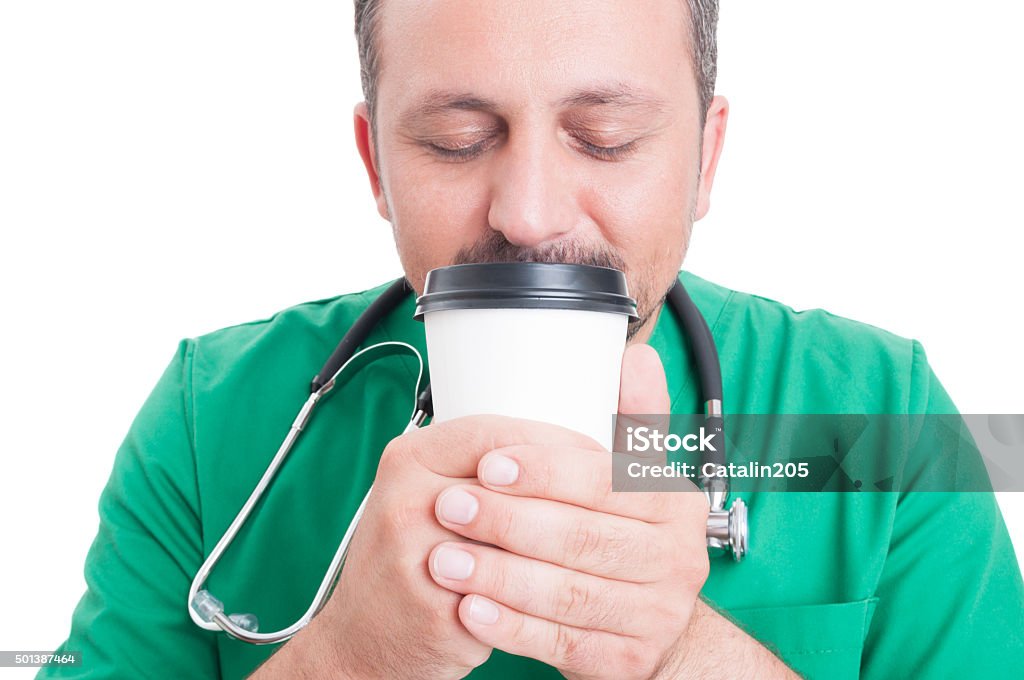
pixel 453 448
pixel 643 387
pixel 583 478
pixel 541 589
pixel 643 393
pixel 571 650
pixel 582 540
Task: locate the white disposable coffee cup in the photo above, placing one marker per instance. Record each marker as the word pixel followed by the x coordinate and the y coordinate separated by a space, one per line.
pixel 528 340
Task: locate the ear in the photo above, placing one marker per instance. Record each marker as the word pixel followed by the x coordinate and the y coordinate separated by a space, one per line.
pixel 364 142
pixel 714 138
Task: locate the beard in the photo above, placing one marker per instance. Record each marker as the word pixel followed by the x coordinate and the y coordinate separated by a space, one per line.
pixel 495 248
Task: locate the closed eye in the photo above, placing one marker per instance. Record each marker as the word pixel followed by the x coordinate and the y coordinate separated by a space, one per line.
pixel 607 153
pixel 468 152
pixel 459 153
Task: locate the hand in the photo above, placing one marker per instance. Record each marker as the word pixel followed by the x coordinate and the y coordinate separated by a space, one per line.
pixel 595 583
pixel 386 617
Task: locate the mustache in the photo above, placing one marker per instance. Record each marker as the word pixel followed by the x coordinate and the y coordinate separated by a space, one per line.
pixel 495 248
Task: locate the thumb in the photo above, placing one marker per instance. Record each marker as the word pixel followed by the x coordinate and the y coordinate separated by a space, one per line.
pixel 642 386
pixel 643 393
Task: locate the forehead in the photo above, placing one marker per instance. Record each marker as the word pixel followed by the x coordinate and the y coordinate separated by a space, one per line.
pixel 536 51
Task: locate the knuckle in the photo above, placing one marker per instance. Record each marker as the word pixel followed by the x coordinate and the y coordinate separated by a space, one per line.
pixel 693 504
pixel 609 545
pixel 695 573
pixel 432 608
pixel 586 604
pixel 653 546
pixel 599 483
pixel 395 520
pixel 621 549
pixel 504 585
pixel 544 476
pixel 669 554
pixel 583 539
pixel 436 605
pixel 572 647
pixel 670 609
pixel 391 458
pixel 634 660
pixel 703 566
pixel 571 599
pixel 474 655
pixel 481 430
pixel 503 525
pixel 427 448
pixel 666 506
pixel 523 634
pixel 605 611
pixel 401 520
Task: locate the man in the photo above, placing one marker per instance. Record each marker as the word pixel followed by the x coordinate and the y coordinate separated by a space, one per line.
pixel 555 130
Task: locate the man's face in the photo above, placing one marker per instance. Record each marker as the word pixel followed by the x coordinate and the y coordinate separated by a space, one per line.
pixel 546 130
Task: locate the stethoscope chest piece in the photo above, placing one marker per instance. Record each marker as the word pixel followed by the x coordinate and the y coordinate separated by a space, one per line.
pixel 727 530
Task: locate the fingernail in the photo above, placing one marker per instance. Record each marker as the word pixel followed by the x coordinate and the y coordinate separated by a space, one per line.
pixel 482 610
pixel 457 506
pixel 453 563
pixel 499 470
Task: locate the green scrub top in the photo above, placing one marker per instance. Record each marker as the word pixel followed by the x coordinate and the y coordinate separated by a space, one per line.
pixel 839 585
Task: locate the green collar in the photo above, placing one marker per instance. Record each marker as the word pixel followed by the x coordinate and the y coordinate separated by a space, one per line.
pixel 673 346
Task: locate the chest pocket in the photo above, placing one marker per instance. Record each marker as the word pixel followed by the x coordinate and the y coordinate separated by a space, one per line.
pixel 817 641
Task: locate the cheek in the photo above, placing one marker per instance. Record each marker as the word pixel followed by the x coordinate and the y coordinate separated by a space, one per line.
pixel 434 212
pixel 643 211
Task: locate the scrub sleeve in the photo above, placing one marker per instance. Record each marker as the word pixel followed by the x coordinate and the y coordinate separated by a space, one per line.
pixel 132 622
pixel 950 593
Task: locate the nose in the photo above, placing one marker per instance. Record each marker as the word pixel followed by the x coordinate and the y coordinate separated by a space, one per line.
pixel 533 199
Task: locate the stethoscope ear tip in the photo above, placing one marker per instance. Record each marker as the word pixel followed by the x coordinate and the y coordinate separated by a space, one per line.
pixel 209 608
pixel 247 622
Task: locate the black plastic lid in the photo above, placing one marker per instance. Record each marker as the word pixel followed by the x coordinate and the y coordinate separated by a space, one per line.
pixel 529 285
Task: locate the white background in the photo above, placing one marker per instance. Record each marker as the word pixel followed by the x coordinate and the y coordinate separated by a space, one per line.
pixel 167 169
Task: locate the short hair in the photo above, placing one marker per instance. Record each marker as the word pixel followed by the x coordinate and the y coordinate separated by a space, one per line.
pixel 703 49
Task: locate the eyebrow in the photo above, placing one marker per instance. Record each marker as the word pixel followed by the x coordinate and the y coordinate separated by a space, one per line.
pixel 437 102
pixel 617 95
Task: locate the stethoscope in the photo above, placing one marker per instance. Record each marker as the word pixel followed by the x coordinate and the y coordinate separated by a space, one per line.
pixel 726 529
